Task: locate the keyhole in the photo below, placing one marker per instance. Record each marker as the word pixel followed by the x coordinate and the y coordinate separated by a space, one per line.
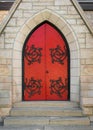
pixel 47 71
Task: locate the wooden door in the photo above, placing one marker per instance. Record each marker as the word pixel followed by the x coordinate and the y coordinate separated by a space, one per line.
pixel 45 65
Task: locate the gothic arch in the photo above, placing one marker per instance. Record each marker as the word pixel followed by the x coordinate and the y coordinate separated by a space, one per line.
pixel 71 38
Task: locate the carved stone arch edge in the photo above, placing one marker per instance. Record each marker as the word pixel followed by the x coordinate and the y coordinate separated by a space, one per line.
pixel 70 36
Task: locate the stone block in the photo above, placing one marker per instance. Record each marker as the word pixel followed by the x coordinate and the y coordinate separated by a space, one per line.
pixel 80 28
pixel 46 15
pixel 91 118
pixel 89 41
pixel 40 7
pixel 83 46
pixel 86 79
pixel 11 29
pixel 74 89
pixel 25 30
pixel 43 3
pixel 45 0
pixel 17 80
pixel 5 70
pixel 88 102
pixel 29 0
pixel 80 22
pixel 87 70
pixel 83 93
pixel 72 10
pixel 75 81
pixel 60 24
pixel 90 93
pixel 68 16
pixel 5 79
pixel 71 21
pixel 87 111
pixel 70 37
pixel 86 53
pixel 74 97
pixel 30 25
pixel 53 18
pixel 9 40
pixel 61 12
pixel 17 55
pixel 38 19
pixel 20 38
pixel 89 61
pixel 18 13
pixel 63 2
pixel 3 14
pixel 63 8
pixel 56 8
pixel 5 102
pixel 87 86
pixel 81 35
pixel 75 63
pixel 27 13
pixel 10 35
pixel 5 86
pixel 17 63
pixel 9 46
pixel 4 111
pixel 82 40
pixel 75 72
pixel 72 46
pixel 19 89
pixel 17 72
pixel 83 61
pixel 12 22
pixel 21 21
pixel 5 53
pixel 2 41
pixel 18 97
pixel 3 61
pixel 74 55
pixel 25 6
pixel 67 32
pixel 4 94
pixel 8 61
pixel 18 46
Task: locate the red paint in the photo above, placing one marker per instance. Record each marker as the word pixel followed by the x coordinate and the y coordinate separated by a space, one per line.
pixel 45 37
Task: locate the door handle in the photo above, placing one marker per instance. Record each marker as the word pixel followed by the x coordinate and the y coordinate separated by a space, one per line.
pixel 47 71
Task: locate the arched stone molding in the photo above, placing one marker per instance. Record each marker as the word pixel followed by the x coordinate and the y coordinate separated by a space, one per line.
pixel 72 40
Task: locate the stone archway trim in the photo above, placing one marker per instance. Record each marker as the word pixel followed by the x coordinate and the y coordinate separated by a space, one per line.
pixel 72 42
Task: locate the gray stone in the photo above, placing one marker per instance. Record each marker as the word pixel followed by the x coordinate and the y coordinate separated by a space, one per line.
pixel 69 128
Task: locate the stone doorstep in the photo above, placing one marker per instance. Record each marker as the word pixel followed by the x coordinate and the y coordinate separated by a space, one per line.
pixel 26 121
pixel 63 104
pixel 46 111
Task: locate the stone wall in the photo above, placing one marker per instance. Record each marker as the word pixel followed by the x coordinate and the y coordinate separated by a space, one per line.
pixel 89 15
pixel 3 14
pixel 63 15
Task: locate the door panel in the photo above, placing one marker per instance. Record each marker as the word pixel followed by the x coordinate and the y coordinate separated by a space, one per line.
pixel 45 65
pixel 34 71
pixel 56 64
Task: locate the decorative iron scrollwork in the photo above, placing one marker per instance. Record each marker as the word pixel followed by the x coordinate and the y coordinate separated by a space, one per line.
pixel 58 87
pixel 32 87
pixel 58 55
pixel 33 54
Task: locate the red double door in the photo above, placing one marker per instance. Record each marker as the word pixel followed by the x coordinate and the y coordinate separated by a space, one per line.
pixel 45 65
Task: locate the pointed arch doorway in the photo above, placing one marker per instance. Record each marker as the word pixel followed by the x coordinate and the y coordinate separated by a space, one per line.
pixel 45 65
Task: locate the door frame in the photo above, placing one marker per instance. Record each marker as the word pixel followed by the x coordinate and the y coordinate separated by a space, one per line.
pixel 68 50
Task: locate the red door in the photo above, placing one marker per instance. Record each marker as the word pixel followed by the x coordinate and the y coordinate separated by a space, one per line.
pixel 45 65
